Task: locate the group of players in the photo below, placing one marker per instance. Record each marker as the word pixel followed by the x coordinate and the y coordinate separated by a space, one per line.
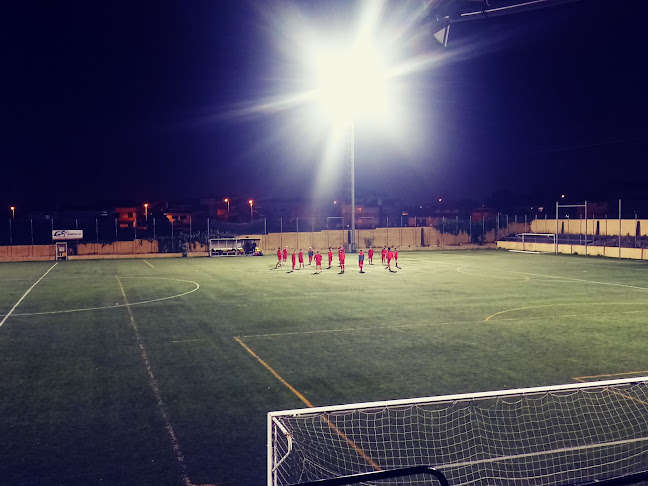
pixel 387 254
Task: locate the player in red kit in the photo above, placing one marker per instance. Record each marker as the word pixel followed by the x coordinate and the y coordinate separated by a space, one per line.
pixel 340 251
pixel 294 259
pixel 396 257
pixel 318 261
pixel 383 255
pixel 278 258
pixel 360 260
pixel 285 254
pixel 301 259
pixel 310 255
pixel 370 255
pixel 342 256
pixel 330 256
pixel 390 255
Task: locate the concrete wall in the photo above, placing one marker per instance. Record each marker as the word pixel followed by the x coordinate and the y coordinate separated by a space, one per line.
pixel 26 253
pixel 136 247
pixel 606 251
pixel 606 227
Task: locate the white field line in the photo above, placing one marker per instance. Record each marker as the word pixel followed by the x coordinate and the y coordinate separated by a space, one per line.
pixel 148 263
pixel 572 279
pixel 197 286
pixel 452 323
pixel 156 391
pixel 25 295
pixel 543 453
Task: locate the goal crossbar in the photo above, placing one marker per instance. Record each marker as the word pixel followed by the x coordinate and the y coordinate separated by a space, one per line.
pixel 506 436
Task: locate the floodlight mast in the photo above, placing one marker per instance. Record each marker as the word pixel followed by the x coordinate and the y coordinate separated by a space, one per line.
pixel 351 156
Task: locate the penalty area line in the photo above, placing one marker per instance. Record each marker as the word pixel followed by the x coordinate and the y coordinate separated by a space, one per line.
pixel 25 295
pixel 156 391
pixel 148 263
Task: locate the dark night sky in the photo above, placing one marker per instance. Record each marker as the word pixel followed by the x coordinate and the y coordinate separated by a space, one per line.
pixel 144 100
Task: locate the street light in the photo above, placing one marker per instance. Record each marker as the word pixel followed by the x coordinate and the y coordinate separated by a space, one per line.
pixel 146 212
pixel 13 212
pixel 227 201
pixel 250 202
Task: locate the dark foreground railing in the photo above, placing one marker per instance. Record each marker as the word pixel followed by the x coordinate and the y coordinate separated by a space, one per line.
pixel 378 475
pixel 636 478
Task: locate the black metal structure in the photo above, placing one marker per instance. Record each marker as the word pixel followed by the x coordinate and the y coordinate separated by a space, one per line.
pixel 378 475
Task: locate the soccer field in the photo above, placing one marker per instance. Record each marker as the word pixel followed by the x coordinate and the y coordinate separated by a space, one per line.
pixel 161 371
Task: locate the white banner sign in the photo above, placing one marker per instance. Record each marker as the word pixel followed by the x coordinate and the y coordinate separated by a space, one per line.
pixel 67 235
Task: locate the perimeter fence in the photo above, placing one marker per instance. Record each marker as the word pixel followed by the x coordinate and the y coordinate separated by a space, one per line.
pixel 171 236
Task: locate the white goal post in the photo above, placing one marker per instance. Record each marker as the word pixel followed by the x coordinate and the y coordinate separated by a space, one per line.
pixel 547 435
pixel 547 238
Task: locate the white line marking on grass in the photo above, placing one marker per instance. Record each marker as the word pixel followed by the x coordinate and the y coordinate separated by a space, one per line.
pixel 524 278
pixel 148 263
pixel 572 279
pixel 121 305
pixel 572 304
pixel 156 391
pixel 25 295
pixel 542 453
pixel 452 323
pixel 188 341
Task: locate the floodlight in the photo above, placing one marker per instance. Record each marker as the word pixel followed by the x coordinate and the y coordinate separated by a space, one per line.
pixel 351 83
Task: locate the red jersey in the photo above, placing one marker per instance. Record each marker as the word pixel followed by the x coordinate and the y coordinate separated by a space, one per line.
pixel 395 254
pixel 279 254
pixel 342 255
pixel 370 253
pixel 318 259
pixel 383 253
pixel 301 257
pixel 294 257
pixel 285 254
pixel 330 255
pixel 390 255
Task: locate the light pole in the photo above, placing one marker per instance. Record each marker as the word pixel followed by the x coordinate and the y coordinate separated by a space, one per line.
pixel 250 202
pixel 13 212
pixel 227 201
pixel 146 212
pixel 351 156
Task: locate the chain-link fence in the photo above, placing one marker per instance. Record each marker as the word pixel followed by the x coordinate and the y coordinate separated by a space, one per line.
pixel 171 236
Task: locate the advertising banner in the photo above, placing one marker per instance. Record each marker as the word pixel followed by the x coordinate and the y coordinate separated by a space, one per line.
pixel 67 234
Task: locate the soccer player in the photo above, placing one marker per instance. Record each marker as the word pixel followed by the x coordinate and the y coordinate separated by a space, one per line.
pixel 330 256
pixel 285 254
pixel 301 259
pixel 310 255
pixel 383 254
pixel 390 255
pixel 278 258
pixel 318 262
pixel 294 259
pixel 342 256
pixel 340 251
pixel 396 257
pixel 370 255
pixel 360 260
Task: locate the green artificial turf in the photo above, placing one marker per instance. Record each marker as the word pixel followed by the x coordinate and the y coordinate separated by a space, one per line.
pixel 78 406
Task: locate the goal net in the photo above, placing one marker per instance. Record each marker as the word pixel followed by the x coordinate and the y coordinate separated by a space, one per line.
pixel 550 435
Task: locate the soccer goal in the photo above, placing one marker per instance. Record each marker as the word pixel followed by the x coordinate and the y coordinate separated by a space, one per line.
pixel 543 238
pixel 553 435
